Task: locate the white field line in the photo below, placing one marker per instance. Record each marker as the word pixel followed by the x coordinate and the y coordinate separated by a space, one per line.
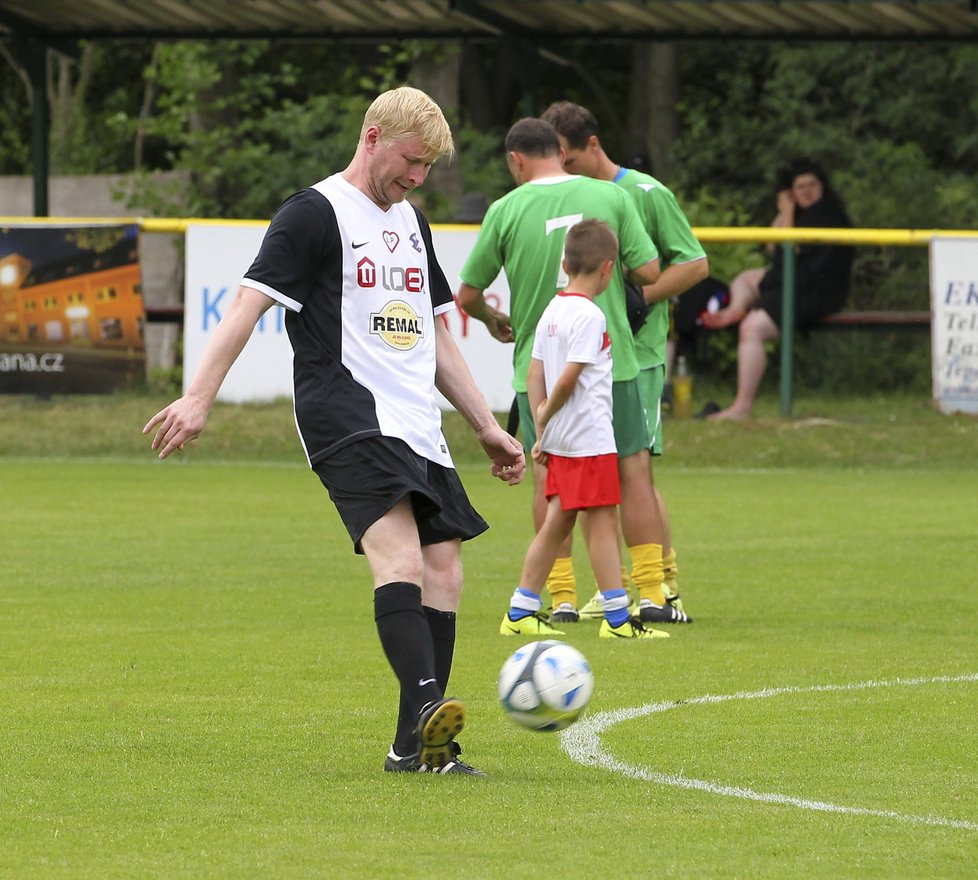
pixel 582 742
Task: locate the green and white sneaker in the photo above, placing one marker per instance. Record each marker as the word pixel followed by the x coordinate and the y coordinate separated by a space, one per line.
pixel 671 591
pixel 593 610
pixel 531 625
pixel 630 629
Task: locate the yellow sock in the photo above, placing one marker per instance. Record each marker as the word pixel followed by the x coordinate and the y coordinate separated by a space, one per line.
pixel 647 572
pixel 670 568
pixel 561 582
pixel 626 580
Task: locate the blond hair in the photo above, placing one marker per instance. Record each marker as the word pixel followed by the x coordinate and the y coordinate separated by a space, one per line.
pixel 407 112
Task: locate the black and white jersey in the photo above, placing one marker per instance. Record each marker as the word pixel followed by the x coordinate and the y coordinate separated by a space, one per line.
pixel 363 289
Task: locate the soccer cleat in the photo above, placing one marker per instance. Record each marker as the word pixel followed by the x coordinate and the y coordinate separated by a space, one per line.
pixel 593 610
pixel 531 625
pixel 671 591
pixel 395 763
pixel 439 723
pixel 649 612
pixel 630 629
pixel 565 613
pixel 454 765
pixel 412 764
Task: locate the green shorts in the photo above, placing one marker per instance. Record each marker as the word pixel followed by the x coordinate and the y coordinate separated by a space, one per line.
pixel 631 425
pixel 651 381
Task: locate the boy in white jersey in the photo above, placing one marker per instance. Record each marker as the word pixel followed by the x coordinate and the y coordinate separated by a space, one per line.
pixel 569 385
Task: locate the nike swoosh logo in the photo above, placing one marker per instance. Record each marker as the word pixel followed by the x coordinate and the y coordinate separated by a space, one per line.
pixel 359 244
pixel 423 681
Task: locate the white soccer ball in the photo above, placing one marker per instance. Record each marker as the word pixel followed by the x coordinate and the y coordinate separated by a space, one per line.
pixel 545 685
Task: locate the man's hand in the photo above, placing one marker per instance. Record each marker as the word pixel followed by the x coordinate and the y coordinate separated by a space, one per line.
pixel 498 325
pixel 505 452
pixel 537 454
pixel 180 422
pixel 472 300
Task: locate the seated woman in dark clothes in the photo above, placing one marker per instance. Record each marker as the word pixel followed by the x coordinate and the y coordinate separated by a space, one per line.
pixel 821 280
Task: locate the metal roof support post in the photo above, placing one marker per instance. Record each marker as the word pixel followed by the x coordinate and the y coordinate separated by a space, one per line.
pixel 34 58
pixel 787 326
pixel 529 74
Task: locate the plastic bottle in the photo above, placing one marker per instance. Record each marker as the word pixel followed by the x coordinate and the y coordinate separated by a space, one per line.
pixel 682 390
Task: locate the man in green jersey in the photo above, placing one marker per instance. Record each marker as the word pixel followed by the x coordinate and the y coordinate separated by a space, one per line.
pixel 523 233
pixel 683 264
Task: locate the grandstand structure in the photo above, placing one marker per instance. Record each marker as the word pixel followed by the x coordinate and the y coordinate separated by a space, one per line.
pixel 31 27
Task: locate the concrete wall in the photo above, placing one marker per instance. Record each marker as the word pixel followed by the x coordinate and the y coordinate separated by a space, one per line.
pixel 160 256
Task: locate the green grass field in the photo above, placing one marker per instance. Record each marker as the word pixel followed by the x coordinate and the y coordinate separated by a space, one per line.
pixel 191 683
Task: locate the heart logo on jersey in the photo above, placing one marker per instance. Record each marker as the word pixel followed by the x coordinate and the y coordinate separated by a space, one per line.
pixel 391 239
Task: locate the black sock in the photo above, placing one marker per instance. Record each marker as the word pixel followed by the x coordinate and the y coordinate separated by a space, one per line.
pixel 442 624
pixel 406 639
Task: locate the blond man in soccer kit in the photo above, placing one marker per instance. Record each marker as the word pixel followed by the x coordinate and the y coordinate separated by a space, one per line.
pixel 524 232
pixel 352 263
pixel 683 263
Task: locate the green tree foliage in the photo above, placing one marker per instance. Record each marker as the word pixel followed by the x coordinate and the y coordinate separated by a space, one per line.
pixel 895 125
pixel 15 117
pixel 85 91
pixel 247 124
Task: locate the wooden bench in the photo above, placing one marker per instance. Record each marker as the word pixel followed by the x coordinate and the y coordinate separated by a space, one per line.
pixel 879 320
pixel 852 320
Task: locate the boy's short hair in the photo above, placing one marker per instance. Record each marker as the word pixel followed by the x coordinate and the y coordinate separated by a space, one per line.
pixel 533 137
pixel 589 244
pixel 573 122
pixel 408 112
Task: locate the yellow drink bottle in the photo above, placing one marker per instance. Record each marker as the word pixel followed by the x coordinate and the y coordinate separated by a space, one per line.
pixel 682 390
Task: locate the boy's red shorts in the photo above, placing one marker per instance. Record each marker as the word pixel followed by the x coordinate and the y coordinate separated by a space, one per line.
pixel 590 481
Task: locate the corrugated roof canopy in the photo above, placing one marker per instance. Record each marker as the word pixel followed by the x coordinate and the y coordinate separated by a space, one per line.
pixel 543 20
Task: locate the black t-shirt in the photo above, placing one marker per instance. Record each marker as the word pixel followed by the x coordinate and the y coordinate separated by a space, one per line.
pixel 363 289
pixel 822 271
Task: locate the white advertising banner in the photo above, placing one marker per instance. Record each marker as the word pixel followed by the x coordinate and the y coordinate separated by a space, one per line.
pixel 217 258
pixel 954 327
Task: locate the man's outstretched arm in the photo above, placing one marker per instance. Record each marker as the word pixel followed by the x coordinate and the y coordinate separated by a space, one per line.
pixel 185 418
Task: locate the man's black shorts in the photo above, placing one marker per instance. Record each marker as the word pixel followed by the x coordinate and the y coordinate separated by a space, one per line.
pixel 367 478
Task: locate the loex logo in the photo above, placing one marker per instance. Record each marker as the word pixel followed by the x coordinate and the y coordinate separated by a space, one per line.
pixel 398 325
pixel 393 278
pixel 400 280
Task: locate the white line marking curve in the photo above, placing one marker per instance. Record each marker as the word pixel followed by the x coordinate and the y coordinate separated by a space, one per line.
pixel 582 742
